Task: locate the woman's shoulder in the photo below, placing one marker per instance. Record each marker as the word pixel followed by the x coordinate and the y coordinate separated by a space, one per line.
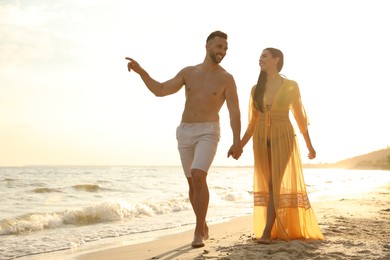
pixel 253 88
pixel 290 82
pixel 292 85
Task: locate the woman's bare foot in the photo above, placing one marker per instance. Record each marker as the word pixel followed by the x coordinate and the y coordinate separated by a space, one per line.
pixel 264 241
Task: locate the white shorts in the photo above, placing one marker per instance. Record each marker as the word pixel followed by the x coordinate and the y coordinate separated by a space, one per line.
pixel 197 144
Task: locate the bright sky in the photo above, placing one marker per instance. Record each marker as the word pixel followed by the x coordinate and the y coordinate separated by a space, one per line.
pixel 67 98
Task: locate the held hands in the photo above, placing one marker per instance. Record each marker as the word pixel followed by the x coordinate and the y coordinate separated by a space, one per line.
pixel 235 151
pixel 133 65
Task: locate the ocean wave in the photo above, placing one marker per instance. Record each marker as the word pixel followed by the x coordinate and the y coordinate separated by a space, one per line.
pixel 45 190
pixel 107 211
pixel 8 180
pixel 29 223
pixel 88 187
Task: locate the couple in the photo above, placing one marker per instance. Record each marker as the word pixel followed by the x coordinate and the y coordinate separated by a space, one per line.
pixel 281 207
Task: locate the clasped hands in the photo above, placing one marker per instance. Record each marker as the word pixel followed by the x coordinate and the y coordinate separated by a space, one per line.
pixel 235 151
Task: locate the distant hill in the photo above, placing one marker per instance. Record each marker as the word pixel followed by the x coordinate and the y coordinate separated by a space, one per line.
pixel 379 160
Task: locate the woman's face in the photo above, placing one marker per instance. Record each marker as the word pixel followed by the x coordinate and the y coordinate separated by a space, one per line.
pixel 267 62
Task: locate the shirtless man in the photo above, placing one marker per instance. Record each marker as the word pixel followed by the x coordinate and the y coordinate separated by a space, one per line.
pixel 207 86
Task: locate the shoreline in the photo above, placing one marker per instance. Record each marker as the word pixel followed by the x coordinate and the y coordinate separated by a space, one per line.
pixel 176 246
pixel 355 227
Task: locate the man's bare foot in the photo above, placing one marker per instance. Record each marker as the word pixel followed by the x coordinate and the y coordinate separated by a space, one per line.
pixel 197 242
pixel 206 232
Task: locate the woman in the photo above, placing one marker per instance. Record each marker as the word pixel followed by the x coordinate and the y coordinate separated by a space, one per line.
pixel 281 207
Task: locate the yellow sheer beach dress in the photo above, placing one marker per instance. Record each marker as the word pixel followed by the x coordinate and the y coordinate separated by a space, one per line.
pixel 295 219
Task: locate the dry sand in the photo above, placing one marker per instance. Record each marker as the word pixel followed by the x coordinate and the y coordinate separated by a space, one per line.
pixel 354 228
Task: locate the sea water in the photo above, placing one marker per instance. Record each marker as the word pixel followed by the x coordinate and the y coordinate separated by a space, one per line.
pixel 48 209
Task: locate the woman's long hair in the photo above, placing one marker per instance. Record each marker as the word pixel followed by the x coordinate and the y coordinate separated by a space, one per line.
pixel 258 96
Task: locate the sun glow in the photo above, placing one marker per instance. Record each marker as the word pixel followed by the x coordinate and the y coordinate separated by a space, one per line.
pixel 67 97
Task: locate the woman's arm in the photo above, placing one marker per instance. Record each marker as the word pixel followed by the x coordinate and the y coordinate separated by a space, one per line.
pixel 245 139
pixel 312 152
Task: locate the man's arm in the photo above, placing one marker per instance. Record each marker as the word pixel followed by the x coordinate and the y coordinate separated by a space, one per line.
pixel 157 88
pixel 235 117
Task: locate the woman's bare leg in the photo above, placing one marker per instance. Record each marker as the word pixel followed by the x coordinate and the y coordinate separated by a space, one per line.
pixel 271 214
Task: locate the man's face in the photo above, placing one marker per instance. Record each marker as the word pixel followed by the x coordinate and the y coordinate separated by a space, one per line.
pixel 217 48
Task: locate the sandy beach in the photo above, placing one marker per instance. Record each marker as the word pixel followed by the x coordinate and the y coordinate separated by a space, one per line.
pixel 354 228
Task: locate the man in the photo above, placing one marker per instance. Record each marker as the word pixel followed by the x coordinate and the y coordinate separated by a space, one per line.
pixel 207 87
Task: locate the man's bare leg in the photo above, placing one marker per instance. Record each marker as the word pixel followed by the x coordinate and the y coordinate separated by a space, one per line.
pixel 200 206
pixel 191 196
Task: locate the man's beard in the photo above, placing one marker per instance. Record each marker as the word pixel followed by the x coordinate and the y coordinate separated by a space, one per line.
pixel 214 58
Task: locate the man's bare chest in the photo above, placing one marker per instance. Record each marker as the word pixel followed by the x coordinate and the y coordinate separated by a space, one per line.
pixel 208 86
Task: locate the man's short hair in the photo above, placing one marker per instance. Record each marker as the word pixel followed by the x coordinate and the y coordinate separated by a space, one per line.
pixel 216 34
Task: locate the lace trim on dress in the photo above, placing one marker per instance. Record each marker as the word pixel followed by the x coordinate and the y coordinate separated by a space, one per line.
pixel 298 200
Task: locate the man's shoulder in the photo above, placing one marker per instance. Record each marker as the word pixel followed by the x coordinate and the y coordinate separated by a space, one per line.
pixel 190 68
pixel 224 73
